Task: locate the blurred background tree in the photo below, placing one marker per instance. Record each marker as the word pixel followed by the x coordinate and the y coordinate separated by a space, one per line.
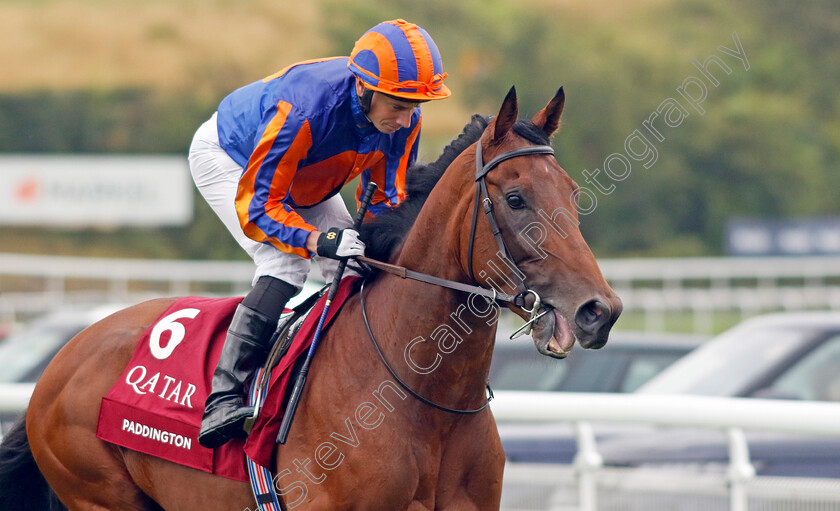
pixel 139 77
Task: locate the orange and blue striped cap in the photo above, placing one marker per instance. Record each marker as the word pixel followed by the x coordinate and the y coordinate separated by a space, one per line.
pixel 401 59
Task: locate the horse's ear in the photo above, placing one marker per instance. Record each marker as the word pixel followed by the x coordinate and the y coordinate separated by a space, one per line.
pixel 507 115
pixel 548 119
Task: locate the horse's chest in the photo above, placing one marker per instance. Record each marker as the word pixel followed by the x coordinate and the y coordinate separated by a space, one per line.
pixel 387 468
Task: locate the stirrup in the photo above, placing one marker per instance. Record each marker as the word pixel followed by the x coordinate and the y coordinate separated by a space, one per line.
pixel 229 429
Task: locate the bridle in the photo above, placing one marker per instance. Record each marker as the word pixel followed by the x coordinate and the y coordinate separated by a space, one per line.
pixel 481 171
pixel 482 197
pixel 518 299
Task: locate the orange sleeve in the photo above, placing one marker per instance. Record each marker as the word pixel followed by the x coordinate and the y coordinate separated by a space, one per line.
pixel 284 142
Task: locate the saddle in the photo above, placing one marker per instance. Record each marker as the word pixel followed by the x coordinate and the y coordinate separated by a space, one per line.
pixel 287 329
pixel 155 406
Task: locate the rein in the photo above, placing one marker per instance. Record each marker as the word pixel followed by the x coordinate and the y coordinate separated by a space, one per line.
pixel 481 171
pixel 402 383
pixel 404 273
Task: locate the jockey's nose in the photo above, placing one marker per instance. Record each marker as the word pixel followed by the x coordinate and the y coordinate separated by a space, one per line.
pixel 404 120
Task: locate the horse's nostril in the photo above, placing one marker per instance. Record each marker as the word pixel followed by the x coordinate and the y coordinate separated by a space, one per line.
pixel 591 315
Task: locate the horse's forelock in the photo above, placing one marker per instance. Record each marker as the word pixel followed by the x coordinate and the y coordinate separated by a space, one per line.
pixel 531 132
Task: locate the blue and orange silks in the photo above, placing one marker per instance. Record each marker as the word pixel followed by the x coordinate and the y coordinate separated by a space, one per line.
pixel 300 135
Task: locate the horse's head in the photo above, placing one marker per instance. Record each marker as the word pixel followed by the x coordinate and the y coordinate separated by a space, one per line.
pixel 536 205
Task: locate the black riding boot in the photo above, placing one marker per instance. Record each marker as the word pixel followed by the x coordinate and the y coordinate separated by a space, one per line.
pixel 246 347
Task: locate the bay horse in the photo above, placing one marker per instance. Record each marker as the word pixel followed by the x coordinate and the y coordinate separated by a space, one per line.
pixel 437 341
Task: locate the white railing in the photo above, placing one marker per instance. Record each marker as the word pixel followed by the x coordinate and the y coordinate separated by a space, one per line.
pixel 748 286
pixel 732 415
pixel 14 397
pixel 653 287
pixel 813 417
pixel 34 284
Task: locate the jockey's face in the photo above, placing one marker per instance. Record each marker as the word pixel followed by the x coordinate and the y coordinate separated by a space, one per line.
pixel 388 114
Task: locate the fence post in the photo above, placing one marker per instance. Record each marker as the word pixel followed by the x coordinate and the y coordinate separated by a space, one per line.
pixel 587 463
pixel 740 471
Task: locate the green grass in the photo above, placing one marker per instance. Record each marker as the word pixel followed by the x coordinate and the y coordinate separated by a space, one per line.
pixel 679 322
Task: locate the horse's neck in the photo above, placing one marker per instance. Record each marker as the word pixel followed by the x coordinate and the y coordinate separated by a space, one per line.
pixel 438 341
pixel 451 333
pixel 436 242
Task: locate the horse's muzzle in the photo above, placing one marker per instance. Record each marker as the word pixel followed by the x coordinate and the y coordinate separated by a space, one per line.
pixel 594 320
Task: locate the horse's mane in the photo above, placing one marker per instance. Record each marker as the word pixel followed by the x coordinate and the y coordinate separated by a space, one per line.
pixel 386 232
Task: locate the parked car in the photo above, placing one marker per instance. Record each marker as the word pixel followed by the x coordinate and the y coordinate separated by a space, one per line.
pixel 783 356
pixel 25 353
pixel 780 356
pixel 787 356
pixel 627 361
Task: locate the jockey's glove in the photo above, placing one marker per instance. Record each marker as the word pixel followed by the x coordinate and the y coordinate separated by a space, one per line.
pixel 340 244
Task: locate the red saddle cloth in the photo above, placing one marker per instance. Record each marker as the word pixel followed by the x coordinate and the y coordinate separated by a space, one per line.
pixel 156 405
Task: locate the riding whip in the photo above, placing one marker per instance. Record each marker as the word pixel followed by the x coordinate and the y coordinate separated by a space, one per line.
pixel 294 398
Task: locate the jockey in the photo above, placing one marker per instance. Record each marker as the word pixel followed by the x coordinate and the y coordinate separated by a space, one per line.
pixel 271 162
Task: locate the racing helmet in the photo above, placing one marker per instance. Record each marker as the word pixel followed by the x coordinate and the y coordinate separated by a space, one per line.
pixel 401 60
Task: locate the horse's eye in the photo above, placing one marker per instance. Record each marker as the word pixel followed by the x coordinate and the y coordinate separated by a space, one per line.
pixel 515 201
